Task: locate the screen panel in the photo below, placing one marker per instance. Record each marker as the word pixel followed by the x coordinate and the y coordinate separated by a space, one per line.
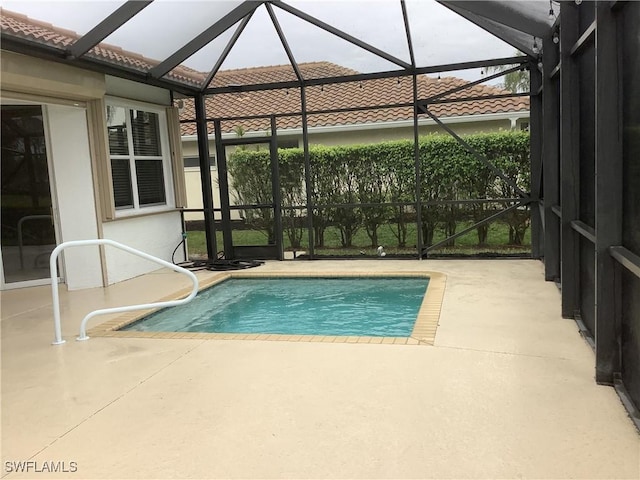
pixel 630 331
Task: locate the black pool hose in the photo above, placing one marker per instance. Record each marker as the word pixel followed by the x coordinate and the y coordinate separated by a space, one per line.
pixel 184 238
pixel 219 264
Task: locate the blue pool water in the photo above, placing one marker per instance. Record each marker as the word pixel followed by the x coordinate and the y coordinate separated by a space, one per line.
pixel 385 307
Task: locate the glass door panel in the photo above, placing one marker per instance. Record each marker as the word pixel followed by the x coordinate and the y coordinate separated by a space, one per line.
pixel 27 228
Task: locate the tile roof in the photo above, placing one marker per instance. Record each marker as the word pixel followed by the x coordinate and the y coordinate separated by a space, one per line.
pixel 344 95
pixel 19 25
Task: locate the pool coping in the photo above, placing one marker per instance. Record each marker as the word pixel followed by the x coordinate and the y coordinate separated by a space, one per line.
pixel 423 333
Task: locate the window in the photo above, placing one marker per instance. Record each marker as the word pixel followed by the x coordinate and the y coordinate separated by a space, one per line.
pixel 524 126
pixel 139 154
pixel 195 162
pixel 287 143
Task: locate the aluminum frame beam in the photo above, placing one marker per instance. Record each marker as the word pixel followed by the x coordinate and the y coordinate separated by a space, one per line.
pixel 472 84
pixel 536 127
pixel 368 107
pixel 223 185
pixel 211 33
pixel 406 204
pixel 106 27
pixel 510 14
pixel 551 161
pixel 626 258
pixel 608 192
pixel 586 231
pixel 308 184
pixel 587 37
pixel 407 31
pixel 205 175
pixel 416 134
pixel 371 204
pixel 339 33
pixel 517 39
pixel 569 161
pixel 276 192
pixel 370 76
pixel 227 49
pixel 489 219
pixel 478 155
pixel 317 112
pixel 285 44
pixel 477 97
pixel 417 169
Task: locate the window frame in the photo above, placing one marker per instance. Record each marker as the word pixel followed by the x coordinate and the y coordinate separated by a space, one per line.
pixel 165 158
pixel 288 142
pixel 189 160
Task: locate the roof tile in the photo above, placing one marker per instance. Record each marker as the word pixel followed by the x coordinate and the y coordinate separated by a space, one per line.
pixel 21 26
pixel 367 93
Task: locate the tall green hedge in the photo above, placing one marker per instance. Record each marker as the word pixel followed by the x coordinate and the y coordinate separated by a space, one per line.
pixel 385 173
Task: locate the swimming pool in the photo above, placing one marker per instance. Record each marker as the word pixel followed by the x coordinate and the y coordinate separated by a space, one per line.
pixel 351 306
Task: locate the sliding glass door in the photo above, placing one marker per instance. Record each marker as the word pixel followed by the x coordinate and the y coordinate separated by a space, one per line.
pixel 27 226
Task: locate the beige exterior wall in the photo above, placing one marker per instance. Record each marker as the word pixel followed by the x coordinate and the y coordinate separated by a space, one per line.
pixel 376 135
pixel 194 191
pixel 33 76
pixel 67 94
pixel 122 88
pixel 194 185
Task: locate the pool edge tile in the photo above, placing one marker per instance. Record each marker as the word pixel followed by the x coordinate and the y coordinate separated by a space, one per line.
pixel 423 332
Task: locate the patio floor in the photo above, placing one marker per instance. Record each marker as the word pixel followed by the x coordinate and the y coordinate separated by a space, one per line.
pixel 506 392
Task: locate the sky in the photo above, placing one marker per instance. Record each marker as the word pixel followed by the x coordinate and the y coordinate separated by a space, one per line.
pixel 439 35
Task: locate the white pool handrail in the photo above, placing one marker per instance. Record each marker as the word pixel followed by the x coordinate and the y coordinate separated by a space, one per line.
pixel 103 311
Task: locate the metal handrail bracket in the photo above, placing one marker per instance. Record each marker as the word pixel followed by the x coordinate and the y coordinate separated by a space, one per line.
pixel 58 340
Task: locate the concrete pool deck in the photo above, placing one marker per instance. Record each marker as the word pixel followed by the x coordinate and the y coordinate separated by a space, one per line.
pixel 507 391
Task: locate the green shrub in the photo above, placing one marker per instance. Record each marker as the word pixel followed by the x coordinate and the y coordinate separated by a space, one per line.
pixel 385 172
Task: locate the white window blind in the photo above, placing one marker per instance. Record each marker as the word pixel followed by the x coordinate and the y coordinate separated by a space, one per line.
pixel 138 166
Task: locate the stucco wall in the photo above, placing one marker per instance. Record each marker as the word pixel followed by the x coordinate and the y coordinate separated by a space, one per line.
pixel 194 192
pixel 194 185
pixel 62 90
pixel 120 87
pixel 21 73
pixel 373 133
pixel 73 187
pixel 376 135
pixel 156 235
